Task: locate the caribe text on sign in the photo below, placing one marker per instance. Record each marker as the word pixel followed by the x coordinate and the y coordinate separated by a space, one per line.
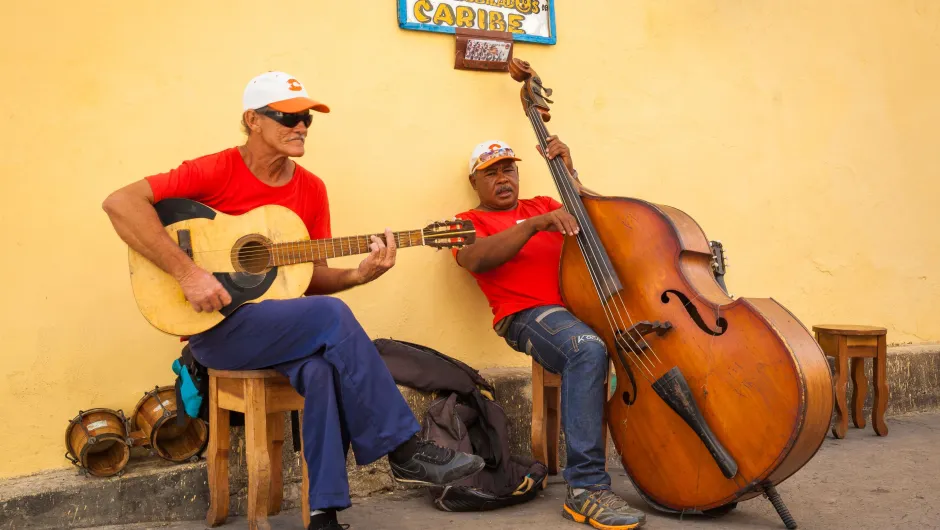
pixel 532 20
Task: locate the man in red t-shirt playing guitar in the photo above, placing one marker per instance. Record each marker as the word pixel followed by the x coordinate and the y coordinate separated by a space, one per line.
pixel 515 261
pixel 349 394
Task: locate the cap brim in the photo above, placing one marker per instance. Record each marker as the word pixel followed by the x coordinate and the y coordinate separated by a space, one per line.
pixel 492 161
pixel 298 105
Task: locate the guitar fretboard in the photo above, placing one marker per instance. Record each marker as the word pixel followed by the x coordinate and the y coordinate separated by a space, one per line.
pixel 321 249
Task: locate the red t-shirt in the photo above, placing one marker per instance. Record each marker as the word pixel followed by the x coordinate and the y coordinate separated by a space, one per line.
pixel 222 181
pixel 530 278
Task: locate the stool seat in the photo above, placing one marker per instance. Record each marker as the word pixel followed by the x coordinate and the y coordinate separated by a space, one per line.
pixel 245 374
pixel 848 341
pixel 850 329
pixel 263 396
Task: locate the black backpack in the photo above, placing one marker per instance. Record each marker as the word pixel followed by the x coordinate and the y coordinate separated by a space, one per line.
pixel 465 417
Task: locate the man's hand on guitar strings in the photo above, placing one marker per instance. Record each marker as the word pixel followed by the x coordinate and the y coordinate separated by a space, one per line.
pixel 380 260
pixel 203 291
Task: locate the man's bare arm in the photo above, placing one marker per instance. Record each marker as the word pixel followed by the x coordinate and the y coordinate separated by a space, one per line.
pixel 137 224
pixel 328 280
pixel 490 252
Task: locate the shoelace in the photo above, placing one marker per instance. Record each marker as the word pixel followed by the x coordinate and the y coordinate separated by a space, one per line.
pixel 434 453
pixel 609 499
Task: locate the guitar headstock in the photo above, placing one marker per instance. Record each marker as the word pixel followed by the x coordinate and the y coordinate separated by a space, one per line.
pixel 456 233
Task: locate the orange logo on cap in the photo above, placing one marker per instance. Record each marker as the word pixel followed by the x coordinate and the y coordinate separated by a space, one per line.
pixel 494 147
pixel 294 85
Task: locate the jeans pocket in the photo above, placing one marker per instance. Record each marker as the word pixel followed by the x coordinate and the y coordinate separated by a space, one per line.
pixel 555 320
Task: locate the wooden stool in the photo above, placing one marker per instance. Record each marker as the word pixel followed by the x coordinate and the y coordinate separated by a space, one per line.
pixel 546 418
pixel 857 343
pixel 263 396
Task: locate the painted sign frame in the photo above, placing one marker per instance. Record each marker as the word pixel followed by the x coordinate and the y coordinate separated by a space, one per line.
pixel 434 28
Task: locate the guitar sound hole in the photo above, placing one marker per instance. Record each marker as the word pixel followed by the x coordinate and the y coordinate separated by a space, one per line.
pixel 254 257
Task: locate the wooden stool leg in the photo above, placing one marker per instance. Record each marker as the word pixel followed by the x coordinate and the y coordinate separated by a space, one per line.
pixel 879 374
pixel 842 372
pixel 257 455
pixel 305 481
pixel 606 430
pixel 859 391
pixel 275 449
pixel 539 425
pixel 553 423
pixel 217 458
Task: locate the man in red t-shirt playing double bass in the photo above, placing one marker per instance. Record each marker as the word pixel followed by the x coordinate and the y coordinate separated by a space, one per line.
pixel 316 341
pixel 515 261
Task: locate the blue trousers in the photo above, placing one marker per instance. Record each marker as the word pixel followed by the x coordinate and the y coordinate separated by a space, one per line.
pixel 564 345
pixel 349 395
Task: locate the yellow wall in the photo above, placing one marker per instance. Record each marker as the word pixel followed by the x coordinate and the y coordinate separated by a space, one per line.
pixel 799 133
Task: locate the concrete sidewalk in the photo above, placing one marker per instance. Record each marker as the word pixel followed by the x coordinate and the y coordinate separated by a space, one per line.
pixel 860 482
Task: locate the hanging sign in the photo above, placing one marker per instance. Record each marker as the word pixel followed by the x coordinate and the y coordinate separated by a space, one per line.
pixel 526 20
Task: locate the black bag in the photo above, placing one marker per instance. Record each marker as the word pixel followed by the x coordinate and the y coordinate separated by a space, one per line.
pixel 465 417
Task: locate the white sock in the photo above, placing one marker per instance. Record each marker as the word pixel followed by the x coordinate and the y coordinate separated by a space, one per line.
pixel 316 512
pixel 578 491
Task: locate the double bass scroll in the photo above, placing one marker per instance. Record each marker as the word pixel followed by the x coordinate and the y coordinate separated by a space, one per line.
pixel 718 399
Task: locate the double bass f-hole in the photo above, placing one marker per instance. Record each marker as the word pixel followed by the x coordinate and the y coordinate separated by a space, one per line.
pixel 693 312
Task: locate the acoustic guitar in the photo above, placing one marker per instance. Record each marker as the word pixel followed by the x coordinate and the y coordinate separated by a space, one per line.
pixel 263 254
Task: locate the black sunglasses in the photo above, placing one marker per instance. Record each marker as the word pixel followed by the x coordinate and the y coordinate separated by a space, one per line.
pixel 288 120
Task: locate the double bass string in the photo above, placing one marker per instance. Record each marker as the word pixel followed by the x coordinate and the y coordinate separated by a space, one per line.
pixel 569 195
pixel 592 256
pixel 559 168
pixel 589 254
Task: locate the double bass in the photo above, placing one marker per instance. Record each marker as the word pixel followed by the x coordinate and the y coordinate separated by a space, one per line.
pixel 717 399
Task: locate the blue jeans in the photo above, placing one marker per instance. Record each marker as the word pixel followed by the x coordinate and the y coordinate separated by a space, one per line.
pixel 564 345
pixel 349 394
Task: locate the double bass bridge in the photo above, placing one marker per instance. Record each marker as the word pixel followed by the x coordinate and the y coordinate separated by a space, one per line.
pixel 635 336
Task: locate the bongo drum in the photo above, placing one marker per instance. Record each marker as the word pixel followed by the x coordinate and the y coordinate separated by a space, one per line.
pixel 96 441
pixel 154 420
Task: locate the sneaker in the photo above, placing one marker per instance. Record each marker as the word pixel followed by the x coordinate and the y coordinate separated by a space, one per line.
pixel 433 465
pixel 602 509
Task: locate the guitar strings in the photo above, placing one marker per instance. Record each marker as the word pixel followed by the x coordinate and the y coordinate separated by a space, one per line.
pixel 324 246
pixel 321 242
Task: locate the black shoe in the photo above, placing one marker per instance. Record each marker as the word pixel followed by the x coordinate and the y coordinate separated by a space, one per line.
pixel 326 525
pixel 433 465
pixel 326 521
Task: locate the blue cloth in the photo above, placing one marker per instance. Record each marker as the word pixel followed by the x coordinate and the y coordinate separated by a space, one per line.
pixel 564 345
pixel 349 394
pixel 189 392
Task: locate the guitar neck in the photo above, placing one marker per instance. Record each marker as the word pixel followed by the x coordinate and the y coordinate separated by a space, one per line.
pixel 293 252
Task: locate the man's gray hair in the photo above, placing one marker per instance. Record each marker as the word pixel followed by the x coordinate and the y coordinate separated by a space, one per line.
pixel 245 128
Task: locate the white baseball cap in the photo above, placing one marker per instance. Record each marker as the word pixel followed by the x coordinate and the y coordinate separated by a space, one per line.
pixel 488 153
pixel 281 92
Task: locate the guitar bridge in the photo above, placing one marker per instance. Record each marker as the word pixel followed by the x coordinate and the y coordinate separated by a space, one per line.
pixel 185 242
